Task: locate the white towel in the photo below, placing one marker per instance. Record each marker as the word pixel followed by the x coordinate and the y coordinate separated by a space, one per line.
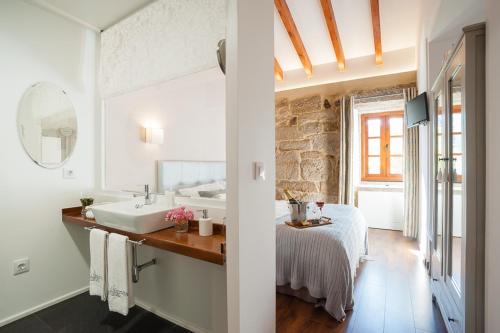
pixel 120 293
pixel 98 258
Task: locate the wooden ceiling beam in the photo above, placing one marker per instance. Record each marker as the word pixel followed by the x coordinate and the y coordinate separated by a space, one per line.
pixel 331 24
pixel 278 71
pixel 291 28
pixel 377 36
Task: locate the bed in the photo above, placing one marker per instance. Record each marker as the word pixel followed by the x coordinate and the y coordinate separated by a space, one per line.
pixel 321 259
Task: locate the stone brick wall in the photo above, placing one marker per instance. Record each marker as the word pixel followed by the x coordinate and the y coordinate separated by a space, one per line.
pixel 307 148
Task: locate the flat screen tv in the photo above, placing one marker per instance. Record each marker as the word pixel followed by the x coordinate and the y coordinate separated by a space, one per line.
pixel 416 110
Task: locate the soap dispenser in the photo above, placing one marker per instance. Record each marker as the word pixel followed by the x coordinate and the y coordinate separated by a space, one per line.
pixel 205 225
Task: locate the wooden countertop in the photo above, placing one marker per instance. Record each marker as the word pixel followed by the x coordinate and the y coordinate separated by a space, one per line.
pixel 191 244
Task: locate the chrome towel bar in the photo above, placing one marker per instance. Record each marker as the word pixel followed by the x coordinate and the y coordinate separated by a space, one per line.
pixel 128 240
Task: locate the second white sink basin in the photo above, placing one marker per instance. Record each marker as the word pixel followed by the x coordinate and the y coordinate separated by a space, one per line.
pixel 132 216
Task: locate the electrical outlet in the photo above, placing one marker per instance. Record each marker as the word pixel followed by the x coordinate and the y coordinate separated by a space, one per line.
pixel 21 266
pixel 69 173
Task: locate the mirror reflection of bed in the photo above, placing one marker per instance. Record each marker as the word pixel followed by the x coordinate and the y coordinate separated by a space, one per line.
pixel 195 184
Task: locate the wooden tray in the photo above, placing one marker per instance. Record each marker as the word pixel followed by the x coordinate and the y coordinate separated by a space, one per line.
pixel 323 221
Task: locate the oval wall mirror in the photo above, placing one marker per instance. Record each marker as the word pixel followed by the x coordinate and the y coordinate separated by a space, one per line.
pixel 47 125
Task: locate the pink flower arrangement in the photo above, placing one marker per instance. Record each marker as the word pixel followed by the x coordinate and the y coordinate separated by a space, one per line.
pixel 178 214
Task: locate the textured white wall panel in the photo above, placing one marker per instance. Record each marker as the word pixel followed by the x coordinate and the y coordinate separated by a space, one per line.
pixel 165 40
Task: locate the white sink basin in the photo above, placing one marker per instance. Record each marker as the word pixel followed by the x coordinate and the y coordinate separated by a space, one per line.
pixel 125 216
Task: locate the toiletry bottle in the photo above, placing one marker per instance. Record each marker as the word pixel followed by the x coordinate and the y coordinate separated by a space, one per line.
pixel 205 224
pixel 170 199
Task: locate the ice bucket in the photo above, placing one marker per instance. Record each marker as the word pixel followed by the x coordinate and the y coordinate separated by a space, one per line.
pixel 298 211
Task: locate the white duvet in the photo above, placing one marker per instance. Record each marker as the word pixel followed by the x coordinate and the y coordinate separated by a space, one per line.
pixel 322 259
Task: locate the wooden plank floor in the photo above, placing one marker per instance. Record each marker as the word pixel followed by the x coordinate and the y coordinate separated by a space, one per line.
pixel 391 293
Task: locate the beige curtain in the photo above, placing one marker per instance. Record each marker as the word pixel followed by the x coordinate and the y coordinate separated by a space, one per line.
pixel 345 165
pixel 410 176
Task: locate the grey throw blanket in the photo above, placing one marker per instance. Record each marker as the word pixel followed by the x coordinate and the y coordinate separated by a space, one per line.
pixel 322 259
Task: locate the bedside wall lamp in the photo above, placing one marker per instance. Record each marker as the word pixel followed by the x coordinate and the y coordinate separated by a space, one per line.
pixel 152 135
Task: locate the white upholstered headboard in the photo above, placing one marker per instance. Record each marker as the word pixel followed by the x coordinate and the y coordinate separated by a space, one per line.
pixel 172 175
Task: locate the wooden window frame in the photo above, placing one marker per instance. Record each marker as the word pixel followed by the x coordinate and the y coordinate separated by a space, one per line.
pixel 385 141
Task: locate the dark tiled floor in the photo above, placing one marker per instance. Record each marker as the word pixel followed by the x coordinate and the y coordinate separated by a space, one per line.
pixel 87 314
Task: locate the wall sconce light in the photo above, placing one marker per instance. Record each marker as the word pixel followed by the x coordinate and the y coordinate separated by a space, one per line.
pixel 153 135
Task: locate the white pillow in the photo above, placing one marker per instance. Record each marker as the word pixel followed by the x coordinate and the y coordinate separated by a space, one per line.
pixel 188 192
pixel 221 196
pixel 281 209
pixel 193 191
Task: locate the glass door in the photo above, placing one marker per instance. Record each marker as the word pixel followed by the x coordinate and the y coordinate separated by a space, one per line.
pixel 456 221
pixel 440 165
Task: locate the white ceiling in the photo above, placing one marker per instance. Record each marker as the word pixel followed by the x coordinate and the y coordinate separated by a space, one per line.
pixel 98 14
pixel 399 20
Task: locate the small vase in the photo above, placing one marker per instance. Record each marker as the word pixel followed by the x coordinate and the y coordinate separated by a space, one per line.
pixel 85 203
pixel 182 226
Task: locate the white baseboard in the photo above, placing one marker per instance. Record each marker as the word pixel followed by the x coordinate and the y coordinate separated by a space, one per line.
pixel 180 322
pixel 42 306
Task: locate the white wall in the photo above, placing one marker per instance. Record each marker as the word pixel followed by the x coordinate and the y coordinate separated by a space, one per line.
pixel 492 164
pixel 191 110
pixel 251 242
pixel 424 142
pixel 382 208
pixel 422 61
pixel 447 17
pixel 186 291
pixel 424 186
pixel 440 28
pixel 40 46
pixel 438 53
pixel 165 40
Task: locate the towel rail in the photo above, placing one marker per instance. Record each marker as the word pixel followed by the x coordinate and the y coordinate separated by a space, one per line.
pixel 136 269
pixel 128 240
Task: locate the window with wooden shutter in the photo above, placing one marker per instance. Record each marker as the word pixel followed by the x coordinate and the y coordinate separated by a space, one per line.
pixel 382 146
